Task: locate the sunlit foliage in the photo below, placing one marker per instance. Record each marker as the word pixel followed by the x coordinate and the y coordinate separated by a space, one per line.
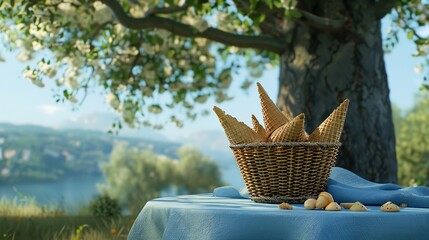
pixel 134 176
pixel 412 144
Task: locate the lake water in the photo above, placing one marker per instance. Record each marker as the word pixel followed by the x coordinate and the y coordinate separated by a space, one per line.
pixel 69 193
pixel 72 193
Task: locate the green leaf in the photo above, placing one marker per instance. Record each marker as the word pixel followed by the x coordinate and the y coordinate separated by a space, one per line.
pixel 288 13
pixel 155 108
pixel 295 13
pixel 253 4
pixel 261 18
pixel 278 4
pixel 410 34
pixel 66 94
pixel 269 3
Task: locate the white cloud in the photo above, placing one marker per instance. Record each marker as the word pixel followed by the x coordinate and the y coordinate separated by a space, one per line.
pixel 49 109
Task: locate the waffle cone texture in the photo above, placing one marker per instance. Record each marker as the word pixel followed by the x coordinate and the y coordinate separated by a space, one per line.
pixel 330 130
pixel 292 131
pixel 258 128
pixel 281 126
pixel 273 117
pixel 237 132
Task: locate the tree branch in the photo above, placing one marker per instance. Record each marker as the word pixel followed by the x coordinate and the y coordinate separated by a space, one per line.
pixel 134 63
pixel 166 10
pixel 322 23
pixel 383 7
pixel 184 30
pixel 97 31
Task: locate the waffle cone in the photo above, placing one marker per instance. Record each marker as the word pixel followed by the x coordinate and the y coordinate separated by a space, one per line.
pixel 288 113
pixel 273 117
pixel 237 132
pixel 330 130
pixel 258 128
pixel 292 131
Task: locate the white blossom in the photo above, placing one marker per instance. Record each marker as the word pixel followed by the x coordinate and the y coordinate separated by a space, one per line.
pixel 102 12
pixel 418 69
pixel 24 56
pixel 31 74
pixel 137 11
pixel 44 67
pixel 66 7
pixel 197 22
pixel 113 100
pixel 38 32
pixel 203 58
pixel 82 46
pixel 60 81
pixel 72 82
pixel 167 70
pixel 73 99
pixel 182 63
pixel 201 25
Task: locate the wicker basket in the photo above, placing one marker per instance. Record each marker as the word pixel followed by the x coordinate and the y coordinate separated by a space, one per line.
pixel 285 172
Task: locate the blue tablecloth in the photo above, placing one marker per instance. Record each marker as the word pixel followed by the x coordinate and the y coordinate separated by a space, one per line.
pixel 228 214
pixel 201 217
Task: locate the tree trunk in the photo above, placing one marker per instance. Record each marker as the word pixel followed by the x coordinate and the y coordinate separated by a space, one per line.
pixel 322 69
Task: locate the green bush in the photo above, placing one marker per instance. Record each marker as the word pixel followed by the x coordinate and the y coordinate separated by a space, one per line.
pixel 104 206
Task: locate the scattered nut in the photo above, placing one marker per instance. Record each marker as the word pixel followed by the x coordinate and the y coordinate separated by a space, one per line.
pixel 333 206
pixel 327 195
pixel 346 205
pixel 323 200
pixel 357 206
pixel 387 203
pixel 310 204
pixel 390 207
pixel 285 206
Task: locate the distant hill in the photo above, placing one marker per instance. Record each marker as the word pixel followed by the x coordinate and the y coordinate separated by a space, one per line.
pixel 102 122
pixel 29 152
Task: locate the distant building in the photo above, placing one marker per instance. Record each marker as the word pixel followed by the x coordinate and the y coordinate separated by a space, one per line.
pixel 5 172
pixel 9 153
pixel 68 156
pixel 26 153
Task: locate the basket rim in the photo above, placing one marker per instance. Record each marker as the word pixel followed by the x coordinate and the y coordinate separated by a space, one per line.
pixel 286 144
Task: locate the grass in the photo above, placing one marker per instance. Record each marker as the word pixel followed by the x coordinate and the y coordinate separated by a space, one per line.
pixel 64 227
pixel 28 220
pixel 26 207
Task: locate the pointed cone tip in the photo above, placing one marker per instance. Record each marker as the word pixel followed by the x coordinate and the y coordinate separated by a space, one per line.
pixel 218 111
pixel 345 102
pixel 260 88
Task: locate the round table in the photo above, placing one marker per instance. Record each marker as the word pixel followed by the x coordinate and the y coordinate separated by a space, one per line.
pixel 200 217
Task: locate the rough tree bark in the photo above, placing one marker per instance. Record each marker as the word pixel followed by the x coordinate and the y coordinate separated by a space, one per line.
pixel 322 68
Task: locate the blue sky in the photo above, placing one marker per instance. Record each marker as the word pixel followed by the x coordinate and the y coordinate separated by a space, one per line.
pixel 22 102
